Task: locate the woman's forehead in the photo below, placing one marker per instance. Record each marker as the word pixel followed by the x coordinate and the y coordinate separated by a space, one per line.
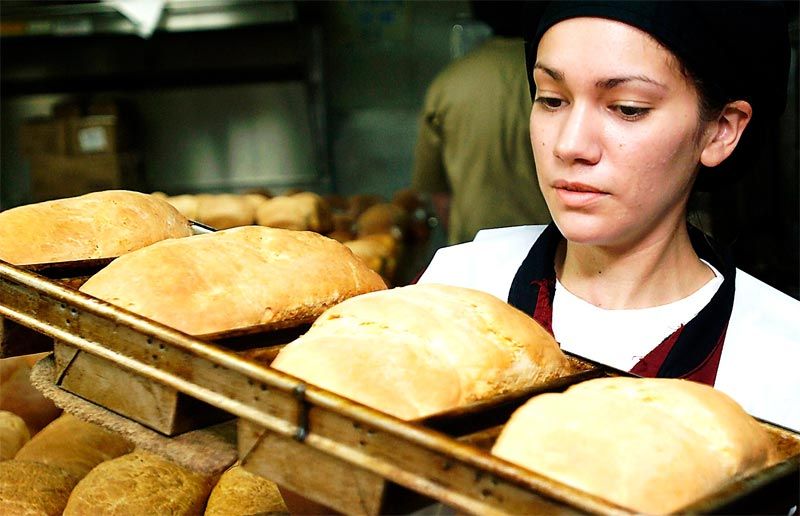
pixel 589 45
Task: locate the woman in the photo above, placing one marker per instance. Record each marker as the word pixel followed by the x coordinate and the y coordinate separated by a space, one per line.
pixel 634 103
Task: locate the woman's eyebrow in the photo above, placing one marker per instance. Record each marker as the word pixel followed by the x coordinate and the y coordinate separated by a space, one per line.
pixel 605 84
pixel 613 82
pixel 559 76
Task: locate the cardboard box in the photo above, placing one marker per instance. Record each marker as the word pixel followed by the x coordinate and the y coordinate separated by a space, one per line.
pixel 54 177
pixel 43 136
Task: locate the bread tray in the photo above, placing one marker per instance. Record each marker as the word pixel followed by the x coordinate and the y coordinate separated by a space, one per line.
pixel 16 340
pixel 455 471
pixel 333 484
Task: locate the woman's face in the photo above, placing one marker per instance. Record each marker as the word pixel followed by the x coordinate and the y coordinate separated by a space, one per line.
pixel 614 133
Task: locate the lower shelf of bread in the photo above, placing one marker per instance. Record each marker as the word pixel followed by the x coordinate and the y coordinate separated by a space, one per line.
pixel 210 450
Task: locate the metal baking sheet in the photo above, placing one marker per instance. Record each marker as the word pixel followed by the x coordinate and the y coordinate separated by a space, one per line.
pixel 456 472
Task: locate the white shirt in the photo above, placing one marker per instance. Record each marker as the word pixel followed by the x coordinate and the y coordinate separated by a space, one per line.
pixel 599 338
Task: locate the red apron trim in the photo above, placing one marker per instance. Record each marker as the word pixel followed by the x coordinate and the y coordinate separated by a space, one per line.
pixel 543 313
pixel 651 363
pixel 706 372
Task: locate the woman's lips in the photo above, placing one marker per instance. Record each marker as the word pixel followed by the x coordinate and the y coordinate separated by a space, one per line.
pixel 577 195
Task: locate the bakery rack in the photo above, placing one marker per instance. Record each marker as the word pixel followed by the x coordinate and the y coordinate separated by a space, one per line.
pixel 334 451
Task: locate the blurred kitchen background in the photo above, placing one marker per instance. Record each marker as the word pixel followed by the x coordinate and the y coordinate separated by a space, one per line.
pixel 211 96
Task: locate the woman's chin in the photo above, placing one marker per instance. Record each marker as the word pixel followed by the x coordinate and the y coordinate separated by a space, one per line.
pixel 584 229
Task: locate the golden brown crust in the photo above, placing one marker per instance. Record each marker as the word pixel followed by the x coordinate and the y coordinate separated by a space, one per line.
pixel 235 278
pixel 33 488
pixel 139 483
pixel 73 445
pixel 19 396
pixel 13 434
pixel 96 225
pixel 304 211
pixel 224 211
pixel 382 218
pixel 240 492
pixel 255 200
pixel 379 251
pixel 417 350
pixel 186 204
pixel 652 445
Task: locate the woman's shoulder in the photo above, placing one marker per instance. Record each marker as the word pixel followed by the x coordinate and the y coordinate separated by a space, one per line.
pixel 487 263
pixel 757 300
pixel 758 366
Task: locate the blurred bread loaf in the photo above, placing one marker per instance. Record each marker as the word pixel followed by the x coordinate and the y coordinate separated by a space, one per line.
pixel 186 204
pixel 240 492
pixel 225 211
pixel 234 278
pixel 19 396
pixel 13 434
pixel 422 349
pixel 304 211
pixel 379 251
pixel 96 225
pixel 73 445
pixel 382 218
pixel 651 445
pixel 33 488
pixel 139 483
pixel 255 199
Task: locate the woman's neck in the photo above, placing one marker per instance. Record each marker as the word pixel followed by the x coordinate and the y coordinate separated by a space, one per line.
pixel 655 272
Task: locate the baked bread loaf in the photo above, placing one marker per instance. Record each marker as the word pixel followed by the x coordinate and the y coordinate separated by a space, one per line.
pixel 225 211
pixel 33 488
pixel 19 396
pixel 96 225
pixel 379 251
pixel 73 445
pixel 235 278
pixel 255 199
pixel 186 204
pixel 139 483
pixel 652 445
pixel 13 434
pixel 304 211
pixel 418 350
pixel 240 492
pixel 382 218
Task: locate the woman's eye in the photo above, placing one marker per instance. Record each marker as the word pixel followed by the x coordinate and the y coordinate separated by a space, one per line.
pixel 550 102
pixel 631 112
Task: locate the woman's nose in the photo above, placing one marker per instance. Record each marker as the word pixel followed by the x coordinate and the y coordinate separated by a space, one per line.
pixel 578 136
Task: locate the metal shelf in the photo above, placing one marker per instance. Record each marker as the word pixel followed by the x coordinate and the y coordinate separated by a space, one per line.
pixel 61 18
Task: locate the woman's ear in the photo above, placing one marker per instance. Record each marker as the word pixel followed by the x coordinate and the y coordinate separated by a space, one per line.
pixel 726 132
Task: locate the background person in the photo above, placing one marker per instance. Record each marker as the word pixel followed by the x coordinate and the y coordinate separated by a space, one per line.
pixel 473 150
